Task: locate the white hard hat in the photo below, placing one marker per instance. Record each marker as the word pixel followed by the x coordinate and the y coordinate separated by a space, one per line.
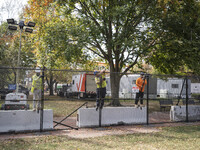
pixel 37 70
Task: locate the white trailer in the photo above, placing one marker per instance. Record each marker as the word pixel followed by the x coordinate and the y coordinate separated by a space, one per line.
pixel 83 85
pixel 195 88
pixel 128 86
pixel 173 87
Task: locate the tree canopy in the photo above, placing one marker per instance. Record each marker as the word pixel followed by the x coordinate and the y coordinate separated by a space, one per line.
pixel 179 51
pixel 123 32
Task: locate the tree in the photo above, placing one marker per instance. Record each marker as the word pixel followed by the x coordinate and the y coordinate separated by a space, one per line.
pixel 121 32
pixel 52 46
pixel 180 50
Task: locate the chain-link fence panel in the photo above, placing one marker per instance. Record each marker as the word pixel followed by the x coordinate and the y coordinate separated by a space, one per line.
pixel 147 100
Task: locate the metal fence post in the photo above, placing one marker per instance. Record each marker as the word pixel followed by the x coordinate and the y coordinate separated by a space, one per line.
pixel 186 99
pixel 147 99
pixel 100 101
pixel 42 102
pixel 100 111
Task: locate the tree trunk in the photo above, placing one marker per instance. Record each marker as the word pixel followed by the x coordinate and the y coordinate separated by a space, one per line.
pixel 114 82
pixel 50 83
pixel 55 87
pixel 51 93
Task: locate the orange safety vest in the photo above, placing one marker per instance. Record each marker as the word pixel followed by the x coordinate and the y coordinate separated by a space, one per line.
pixel 140 82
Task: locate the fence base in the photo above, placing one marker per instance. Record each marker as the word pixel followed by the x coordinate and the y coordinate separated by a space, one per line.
pixel 89 117
pixel 24 120
pixel 178 113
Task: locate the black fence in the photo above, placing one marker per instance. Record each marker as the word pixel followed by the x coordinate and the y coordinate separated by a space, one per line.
pixel 167 98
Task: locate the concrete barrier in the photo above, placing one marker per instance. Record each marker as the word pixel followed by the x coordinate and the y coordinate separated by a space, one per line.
pixel 178 113
pixel 89 117
pixel 22 120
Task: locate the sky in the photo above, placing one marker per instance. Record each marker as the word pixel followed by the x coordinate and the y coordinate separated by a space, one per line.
pixel 15 8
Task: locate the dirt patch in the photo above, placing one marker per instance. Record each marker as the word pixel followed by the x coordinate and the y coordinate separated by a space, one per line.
pixel 86 132
pixel 103 131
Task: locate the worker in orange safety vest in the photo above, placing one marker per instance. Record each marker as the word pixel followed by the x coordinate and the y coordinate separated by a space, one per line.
pixel 140 82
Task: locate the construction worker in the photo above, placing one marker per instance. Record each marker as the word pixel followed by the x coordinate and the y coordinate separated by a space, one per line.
pixel 101 88
pixel 36 89
pixel 140 82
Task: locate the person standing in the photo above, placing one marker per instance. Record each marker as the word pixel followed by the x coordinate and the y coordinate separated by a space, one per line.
pixel 100 81
pixel 140 82
pixel 36 89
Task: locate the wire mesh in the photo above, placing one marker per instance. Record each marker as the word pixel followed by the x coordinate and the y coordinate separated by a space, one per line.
pixel 167 98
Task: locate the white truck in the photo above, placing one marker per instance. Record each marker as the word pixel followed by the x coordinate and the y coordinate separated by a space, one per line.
pixel 83 86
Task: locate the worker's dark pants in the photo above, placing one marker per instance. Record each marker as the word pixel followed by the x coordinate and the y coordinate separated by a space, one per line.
pixel 139 96
pixel 101 93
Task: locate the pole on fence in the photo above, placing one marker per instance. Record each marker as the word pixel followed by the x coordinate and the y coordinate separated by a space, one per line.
pixel 100 102
pixel 100 111
pixel 186 99
pixel 147 99
pixel 42 102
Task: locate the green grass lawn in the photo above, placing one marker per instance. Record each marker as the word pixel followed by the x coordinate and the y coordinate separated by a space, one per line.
pixel 169 138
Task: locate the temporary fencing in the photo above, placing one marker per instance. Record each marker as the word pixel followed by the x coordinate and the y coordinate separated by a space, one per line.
pixel 167 98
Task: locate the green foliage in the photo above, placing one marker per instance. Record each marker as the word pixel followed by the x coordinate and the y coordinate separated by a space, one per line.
pixel 52 44
pixel 180 48
pixel 110 29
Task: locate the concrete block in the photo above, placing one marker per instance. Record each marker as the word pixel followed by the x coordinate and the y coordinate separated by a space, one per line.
pixel 22 120
pixel 89 117
pixel 178 113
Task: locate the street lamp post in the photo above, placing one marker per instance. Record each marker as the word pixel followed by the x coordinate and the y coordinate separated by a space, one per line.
pixel 14 27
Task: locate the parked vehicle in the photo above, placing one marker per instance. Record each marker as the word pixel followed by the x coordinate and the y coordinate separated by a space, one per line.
pixel 83 86
pixel 61 89
pixel 15 101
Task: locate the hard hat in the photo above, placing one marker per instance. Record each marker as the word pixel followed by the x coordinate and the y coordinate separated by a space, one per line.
pixel 95 72
pixel 37 70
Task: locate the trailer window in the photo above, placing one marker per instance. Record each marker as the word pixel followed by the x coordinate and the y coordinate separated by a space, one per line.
pixel 175 86
pixel 134 82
